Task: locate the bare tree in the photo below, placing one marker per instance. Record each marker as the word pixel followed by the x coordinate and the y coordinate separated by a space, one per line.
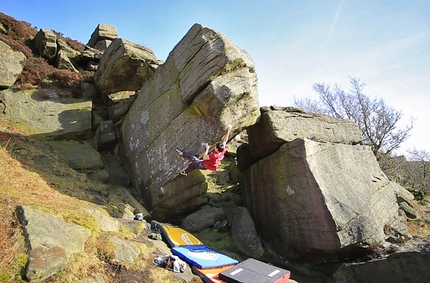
pixel 378 122
pixel 419 170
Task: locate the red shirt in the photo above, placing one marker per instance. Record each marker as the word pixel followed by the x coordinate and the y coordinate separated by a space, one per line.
pixel 214 160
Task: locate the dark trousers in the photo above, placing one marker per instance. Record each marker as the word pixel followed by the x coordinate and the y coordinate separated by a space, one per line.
pixel 195 162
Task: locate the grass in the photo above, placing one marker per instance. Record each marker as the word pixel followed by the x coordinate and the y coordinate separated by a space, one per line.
pixel 57 189
pixel 13 256
pixel 65 193
pixel 420 227
pixel 37 71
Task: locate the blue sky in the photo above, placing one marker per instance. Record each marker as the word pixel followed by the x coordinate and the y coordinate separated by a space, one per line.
pixel 294 44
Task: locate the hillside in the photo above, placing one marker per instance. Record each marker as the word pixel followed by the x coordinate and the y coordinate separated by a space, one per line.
pixel 64 193
pixel 31 174
pixel 58 189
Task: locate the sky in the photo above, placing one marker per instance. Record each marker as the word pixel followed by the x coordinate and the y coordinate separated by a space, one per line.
pixel 293 43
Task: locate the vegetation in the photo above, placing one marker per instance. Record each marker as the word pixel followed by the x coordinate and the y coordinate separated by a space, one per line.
pixel 58 189
pixel 64 192
pixel 37 71
pixel 377 121
pixel 412 171
pixel 378 124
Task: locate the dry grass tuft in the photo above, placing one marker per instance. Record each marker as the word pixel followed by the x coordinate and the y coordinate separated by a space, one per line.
pixel 420 227
pixel 65 193
pixel 13 255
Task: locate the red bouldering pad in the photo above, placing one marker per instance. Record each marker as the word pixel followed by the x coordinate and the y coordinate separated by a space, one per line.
pixel 210 275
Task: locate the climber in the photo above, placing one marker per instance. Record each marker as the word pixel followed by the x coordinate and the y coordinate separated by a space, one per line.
pixel 209 161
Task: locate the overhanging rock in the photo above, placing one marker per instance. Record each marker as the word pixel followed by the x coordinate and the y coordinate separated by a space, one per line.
pixel 125 66
pixel 205 84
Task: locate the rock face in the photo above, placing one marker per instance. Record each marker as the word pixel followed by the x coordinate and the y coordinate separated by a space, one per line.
pixel 125 66
pixel 243 230
pixel 313 196
pixel 79 155
pixel 407 265
pixel 51 240
pixel 306 183
pixel 12 64
pixel 205 84
pixel 46 43
pixel 310 188
pixel 42 113
pixel 279 125
pixel 103 32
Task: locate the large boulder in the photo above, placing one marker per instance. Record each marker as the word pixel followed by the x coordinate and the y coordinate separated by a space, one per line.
pixel 12 64
pixel 205 84
pixel 320 197
pixel 125 250
pixel 46 43
pixel 79 155
pixel 67 50
pixel 63 62
pixel 279 125
pixel 51 242
pixel 178 196
pixel 410 264
pixel 101 33
pixel 244 232
pixel 43 113
pixel 124 66
pixel 203 218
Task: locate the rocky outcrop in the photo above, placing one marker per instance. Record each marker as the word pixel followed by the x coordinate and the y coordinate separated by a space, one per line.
pixel 244 232
pixel 105 136
pixel 46 43
pixel 125 250
pixel 51 242
pixel 308 188
pixel 205 84
pixel 56 50
pixel 320 197
pixel 203 218
pixel 125 66
pixel 410 264
pixel 43 113
pixel 12 64
pixel 59 53
pixel 311 189
pixel 279 125
pixel 79 155
pixel 103 35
